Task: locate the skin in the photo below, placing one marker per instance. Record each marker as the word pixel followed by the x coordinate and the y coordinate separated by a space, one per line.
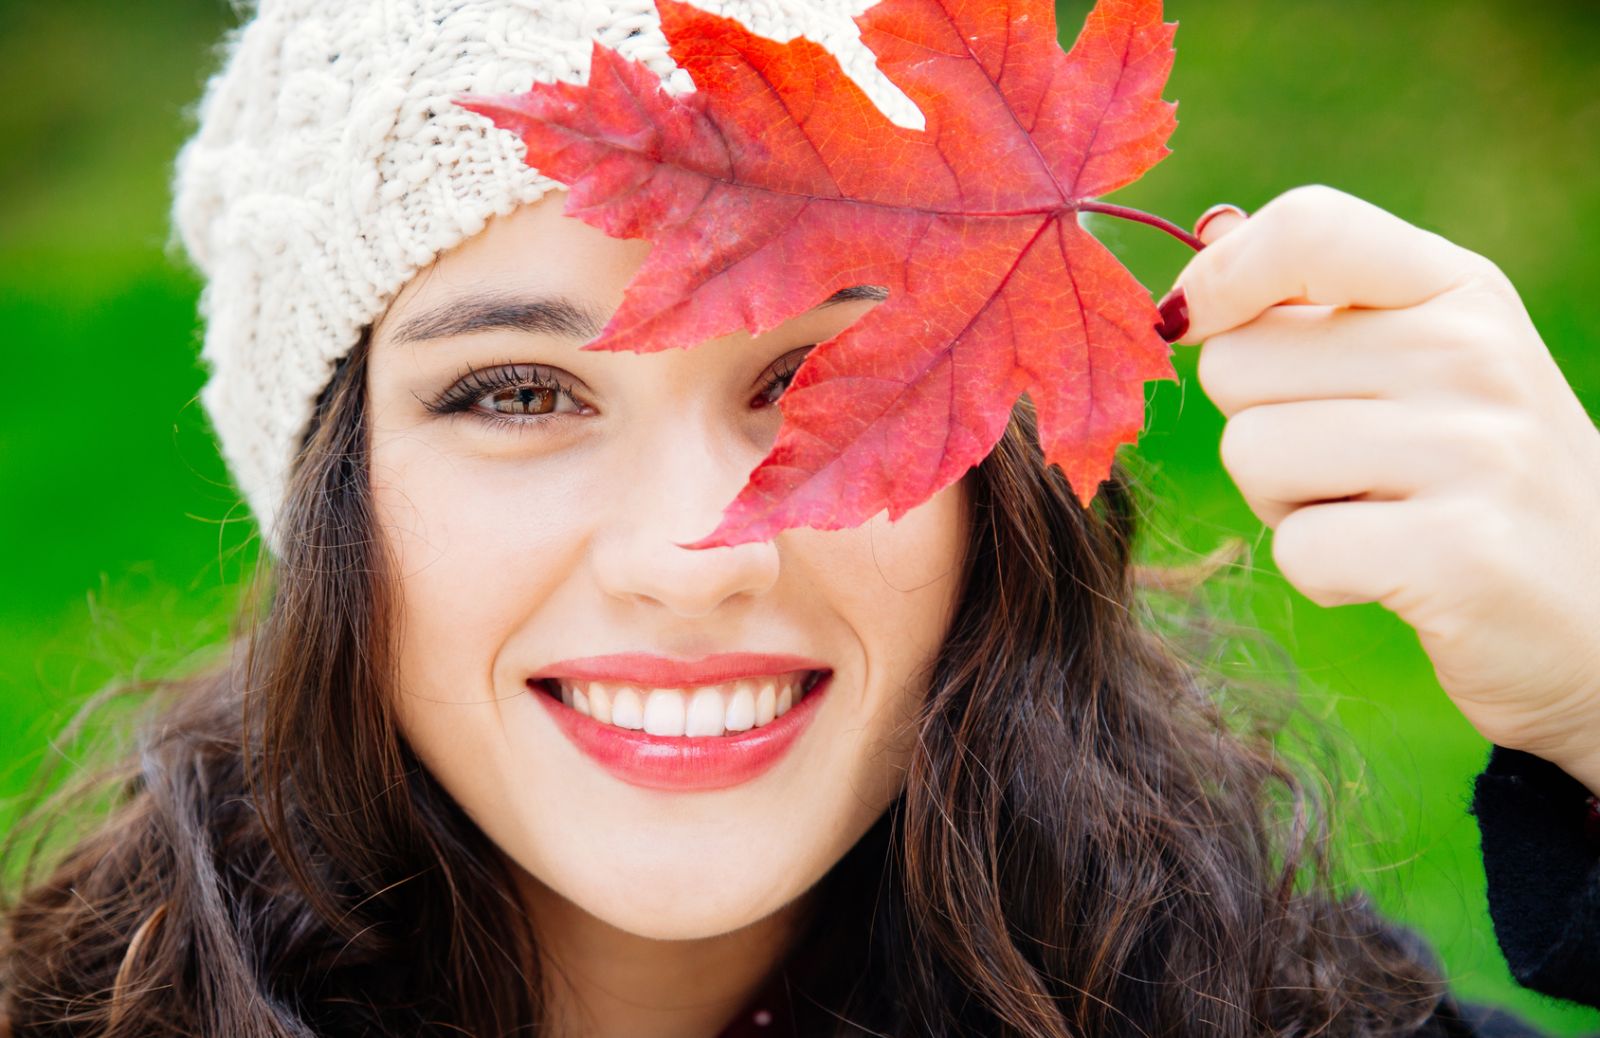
pixel 658 913
pixel 1394 416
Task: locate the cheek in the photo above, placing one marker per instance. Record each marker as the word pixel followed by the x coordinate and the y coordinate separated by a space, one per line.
pixel 491 563
pixel 923 549
pixel 898 581
pixel 478 547
pixel 896 586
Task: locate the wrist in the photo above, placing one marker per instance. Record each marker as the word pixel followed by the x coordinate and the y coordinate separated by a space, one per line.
pixel 1584 769
pixel 1542 793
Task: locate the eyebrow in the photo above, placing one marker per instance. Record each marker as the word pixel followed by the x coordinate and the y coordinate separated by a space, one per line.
pixel 552 315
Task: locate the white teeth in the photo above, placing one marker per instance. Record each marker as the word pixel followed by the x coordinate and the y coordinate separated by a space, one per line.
pixel 627 709
pixel 766 703
pixel 705 712
pixel 709 710
pixel 741 708
pixel 663 713
pixel 599 702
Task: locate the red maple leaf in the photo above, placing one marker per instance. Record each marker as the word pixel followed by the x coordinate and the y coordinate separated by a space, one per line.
pixel 777 182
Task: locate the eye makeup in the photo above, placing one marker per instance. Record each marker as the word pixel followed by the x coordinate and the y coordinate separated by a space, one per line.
pixel 539 390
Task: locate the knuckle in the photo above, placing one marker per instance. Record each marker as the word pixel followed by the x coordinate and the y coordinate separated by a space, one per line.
pixel 1432 362
pixel 1306 218
pixel 1307 198
pixel 1491 372
pixel 1524 437
pixel 1461 333
pixel 1484 287
pixel 1473 540
pixel 1465 348
pixel 1215 370
pixel 1495 447
pixel 1241 440
pixel 1294 550
pixel 1484 273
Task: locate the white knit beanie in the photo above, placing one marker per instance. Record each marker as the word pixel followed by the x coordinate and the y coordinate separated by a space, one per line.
pixel 330 165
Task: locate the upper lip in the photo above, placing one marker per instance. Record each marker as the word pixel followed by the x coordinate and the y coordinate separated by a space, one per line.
pixel 641 668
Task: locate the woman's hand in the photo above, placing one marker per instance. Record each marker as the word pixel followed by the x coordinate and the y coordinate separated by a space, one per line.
pixel 1395 417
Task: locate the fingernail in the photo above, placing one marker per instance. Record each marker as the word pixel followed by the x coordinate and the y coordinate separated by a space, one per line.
pixel 1174 307
pixel 1214 212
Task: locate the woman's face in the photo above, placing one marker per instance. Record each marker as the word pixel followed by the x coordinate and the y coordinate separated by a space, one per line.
pixel 534 509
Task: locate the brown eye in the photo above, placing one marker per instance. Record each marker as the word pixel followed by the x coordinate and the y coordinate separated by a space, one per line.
pixel 523 400
pixel 516 395
pixel 781 377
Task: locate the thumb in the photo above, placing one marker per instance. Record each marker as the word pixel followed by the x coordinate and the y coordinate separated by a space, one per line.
pixel 1213 224
pixel 1218 221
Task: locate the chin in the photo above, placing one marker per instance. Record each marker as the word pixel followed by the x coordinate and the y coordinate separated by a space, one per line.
pixel 711 914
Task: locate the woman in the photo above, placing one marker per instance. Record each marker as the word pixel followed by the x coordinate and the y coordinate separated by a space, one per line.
pixel 972 793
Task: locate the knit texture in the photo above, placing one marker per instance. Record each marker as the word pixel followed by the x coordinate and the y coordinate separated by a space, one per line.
pixel 329 165
pixel 1543 873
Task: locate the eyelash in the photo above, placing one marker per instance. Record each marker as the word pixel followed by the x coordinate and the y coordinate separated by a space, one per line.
pixel 474 384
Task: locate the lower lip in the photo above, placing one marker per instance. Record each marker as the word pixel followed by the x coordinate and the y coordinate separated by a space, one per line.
pixel 685 763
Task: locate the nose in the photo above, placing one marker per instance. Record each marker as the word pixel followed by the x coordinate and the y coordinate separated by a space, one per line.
pixel 671 490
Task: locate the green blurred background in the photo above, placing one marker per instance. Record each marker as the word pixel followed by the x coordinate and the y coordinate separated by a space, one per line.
pixel 124 546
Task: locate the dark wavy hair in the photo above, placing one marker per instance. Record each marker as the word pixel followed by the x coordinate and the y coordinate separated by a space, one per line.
pixel 1091 840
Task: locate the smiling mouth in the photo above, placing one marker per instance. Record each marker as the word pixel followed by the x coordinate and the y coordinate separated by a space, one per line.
pixel 727 708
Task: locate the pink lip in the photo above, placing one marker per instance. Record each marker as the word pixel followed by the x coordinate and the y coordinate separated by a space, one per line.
pixel 685 763
pixel 638 668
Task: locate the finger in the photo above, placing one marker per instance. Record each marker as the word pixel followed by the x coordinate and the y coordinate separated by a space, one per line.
pixel 1218 221
pixel 1346 552
pixel 1286 456
pixel 1215 222
pixel 1317 352
pixel 1323 246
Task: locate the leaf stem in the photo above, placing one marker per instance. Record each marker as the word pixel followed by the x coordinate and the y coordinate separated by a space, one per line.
pixel 1139 216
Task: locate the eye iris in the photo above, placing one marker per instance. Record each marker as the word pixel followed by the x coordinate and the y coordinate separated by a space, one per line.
pixel 776 387
pixel 522 397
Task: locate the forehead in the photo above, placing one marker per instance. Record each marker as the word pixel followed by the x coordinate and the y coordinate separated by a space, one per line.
pixel 535 270
pixel 548 314
pixel 534 249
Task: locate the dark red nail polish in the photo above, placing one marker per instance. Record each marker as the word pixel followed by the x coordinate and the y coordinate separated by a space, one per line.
pixel 1174 307
pixel 1214 212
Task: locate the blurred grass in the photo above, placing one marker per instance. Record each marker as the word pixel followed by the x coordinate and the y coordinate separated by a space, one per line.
pixel 123 546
